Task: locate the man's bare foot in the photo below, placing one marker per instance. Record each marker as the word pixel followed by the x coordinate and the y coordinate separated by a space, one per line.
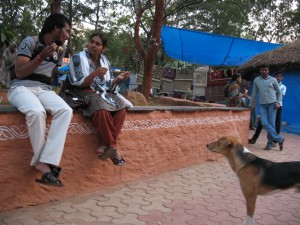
pixel 42 167
pixel 105 152
pixel 101 149
pixel 118 155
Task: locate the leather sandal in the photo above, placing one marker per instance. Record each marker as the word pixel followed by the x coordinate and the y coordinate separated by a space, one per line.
pixel 118 162
pixel 56 170
pixel 108 153
pixel 49 179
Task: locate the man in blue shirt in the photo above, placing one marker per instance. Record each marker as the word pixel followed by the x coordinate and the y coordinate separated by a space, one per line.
pixel 270 97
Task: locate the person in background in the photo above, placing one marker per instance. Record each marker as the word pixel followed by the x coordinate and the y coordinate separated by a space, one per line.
pixel 246 85
pixel 245 99
pixel 8 64
pixel 31 94
pixel 279 77
pixel 232 91
pixel 90 72
pixel 257 131
pixel 270 97
pixel 253 117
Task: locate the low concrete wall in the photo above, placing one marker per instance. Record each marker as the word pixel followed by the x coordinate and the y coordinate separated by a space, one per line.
pixel 153 140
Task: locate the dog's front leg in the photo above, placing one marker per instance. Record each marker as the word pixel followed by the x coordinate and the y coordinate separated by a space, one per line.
pixel 250 201
pixel 249 220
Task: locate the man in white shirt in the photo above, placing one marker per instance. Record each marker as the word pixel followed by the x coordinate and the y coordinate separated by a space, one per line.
pixel 279 77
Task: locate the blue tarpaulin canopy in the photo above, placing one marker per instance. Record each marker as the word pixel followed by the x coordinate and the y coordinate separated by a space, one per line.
pixel 64 68
pixel 210 49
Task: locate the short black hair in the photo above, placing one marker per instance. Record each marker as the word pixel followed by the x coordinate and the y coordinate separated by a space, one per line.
pixel 278 72
pixel 101 36
pixel 235 76
pixel 54 20
pixel 264 66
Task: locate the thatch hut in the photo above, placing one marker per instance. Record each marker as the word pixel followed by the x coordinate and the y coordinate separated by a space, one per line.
pixel 287 60
pixel 283 58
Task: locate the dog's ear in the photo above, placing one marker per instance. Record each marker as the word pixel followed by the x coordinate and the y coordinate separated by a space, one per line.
pixel 231 141
pixel 229 144
pixel 225 142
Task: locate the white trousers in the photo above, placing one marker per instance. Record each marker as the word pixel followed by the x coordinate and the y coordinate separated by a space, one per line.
pixel 34 102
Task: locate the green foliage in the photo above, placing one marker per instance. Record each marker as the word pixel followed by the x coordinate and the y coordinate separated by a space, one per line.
pixel 21 18
pixel 276 21
pixel 79 39
pixel 221 17
pixel 7 36
pixel 273 21
pixel 121 51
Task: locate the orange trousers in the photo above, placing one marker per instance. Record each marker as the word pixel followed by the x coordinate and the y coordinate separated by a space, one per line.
pixel 108 125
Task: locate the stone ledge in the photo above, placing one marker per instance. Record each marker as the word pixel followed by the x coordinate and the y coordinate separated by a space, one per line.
pixel 10 108
pixel 153 141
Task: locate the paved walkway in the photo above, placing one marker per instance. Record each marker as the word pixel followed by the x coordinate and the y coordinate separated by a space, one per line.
pixel 204 194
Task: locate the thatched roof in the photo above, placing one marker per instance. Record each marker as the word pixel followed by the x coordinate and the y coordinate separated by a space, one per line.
pixel 287 56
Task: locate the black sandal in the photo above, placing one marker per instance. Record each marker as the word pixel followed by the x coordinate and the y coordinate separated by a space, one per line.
pixel 108 153
pixel 281 144
pixel 118 162
pixel 49 179
pixel 56 170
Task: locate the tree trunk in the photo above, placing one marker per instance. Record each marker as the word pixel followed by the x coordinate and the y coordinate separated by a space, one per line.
pixel 97 15
pixel 150 54
pixel 55 6
pixel 70 49
pixel 147 79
